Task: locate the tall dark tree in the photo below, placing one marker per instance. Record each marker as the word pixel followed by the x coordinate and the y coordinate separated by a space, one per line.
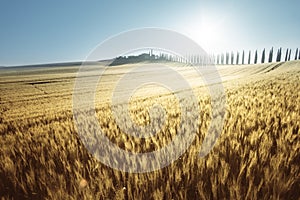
pixel 227 58
pixel 263 56
pixel 249 57
pixel 296 54
pixel 232 57
pixel 286 55
pixel 243 57
pixel 278 58
pixel 222 59
pixel 237 58
pixel 290 52
pixel 255 57
pixel 299 55
pixel 271 55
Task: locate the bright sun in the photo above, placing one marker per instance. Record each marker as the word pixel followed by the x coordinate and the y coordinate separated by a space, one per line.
pixel 207 32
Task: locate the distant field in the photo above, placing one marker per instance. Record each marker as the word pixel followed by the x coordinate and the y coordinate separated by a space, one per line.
pixel 256 157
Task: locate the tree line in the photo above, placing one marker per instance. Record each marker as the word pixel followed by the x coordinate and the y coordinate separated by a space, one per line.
pixel 228 58
pixel 237 58
pixel 266 57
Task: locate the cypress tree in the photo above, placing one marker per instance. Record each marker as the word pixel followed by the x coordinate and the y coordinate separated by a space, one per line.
pixel 280 54
pixel 299 55
pixel 237 58
pixel 290 52
pixel 227 58
pixel 286 55
pixel 263 56
pixel 271 55
pixel 249 57
pixel 232 57
pixel 278 59
pixel 255 58
pixel 222 59
pixel 296 54
pixel 243 57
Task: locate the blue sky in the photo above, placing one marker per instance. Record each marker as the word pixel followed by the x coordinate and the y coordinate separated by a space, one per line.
pixel 35 32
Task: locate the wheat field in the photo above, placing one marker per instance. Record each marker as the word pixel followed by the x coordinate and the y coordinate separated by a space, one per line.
pixel 257 155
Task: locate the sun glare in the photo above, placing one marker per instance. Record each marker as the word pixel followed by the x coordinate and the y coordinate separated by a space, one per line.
pixel 207 31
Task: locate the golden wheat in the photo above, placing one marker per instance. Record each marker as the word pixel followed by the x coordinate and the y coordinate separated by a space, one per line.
pixel 256 157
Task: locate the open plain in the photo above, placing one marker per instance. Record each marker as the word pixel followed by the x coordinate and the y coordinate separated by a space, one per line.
pixel 257 155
